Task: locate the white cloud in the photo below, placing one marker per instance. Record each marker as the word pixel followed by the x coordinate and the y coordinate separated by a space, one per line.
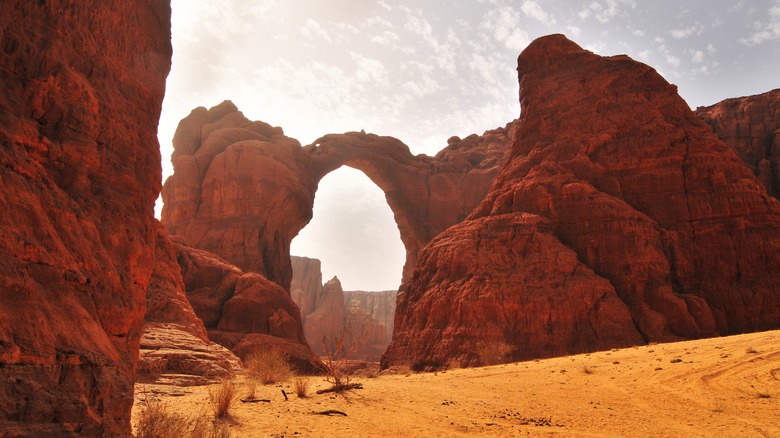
pixel 644 55
pixel 369 70
pixel 505 24
pixel 313 29
pixel 710 49
pixel 532 9
pixel 698 56
pixel 574 30
pixel 385 38
pixel 765 32
pixel 673 60
pixel 638 33
pixel 696 29
pixel 584 14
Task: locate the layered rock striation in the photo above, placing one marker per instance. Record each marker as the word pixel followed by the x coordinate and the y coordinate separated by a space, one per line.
pixel 82 88
pixel 618 219
pixel 243 190
pixel 751 127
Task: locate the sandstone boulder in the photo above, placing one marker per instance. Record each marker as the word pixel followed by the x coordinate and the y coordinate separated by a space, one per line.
pixel 618 219
pixel 82 88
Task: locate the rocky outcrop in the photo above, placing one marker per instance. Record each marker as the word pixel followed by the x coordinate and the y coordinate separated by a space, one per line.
pixel 365 318
pixel 248 210
pixel 619 219
pixel 82 88
pixel 751 127
pixel 380 307
pixel 174 344
pixel 233 305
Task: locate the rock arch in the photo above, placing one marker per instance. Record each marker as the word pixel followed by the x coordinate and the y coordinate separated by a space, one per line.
pixel 243 190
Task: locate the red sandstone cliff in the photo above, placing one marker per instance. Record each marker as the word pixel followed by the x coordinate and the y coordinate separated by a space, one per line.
pixel 327 311
pixel 619 219
pixel 247 211
pixel 751 127
pixel 174 341
pixel 243 311
pixel 82 87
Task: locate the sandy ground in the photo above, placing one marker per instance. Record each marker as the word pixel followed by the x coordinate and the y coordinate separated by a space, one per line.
pixel 723 387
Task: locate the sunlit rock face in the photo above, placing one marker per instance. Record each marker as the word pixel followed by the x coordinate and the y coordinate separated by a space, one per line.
pixel 618 219
pixel 751 127
pixel 243 190
pixel 82 87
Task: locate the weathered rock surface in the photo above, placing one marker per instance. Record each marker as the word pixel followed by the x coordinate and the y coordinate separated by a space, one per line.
pixel 380 308
pixel 174 341
pixel 619 219
pixel 247 211
pixel 82 87
pixel 751 127
pixel 328 312
pixel 233 304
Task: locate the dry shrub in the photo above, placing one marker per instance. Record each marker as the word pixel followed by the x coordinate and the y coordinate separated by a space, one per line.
pixel 453 364
pixel 586 369
pixel 339 350
pixel 157 421
pixel 222 398
pixel 494 353
pixel 301 386
pixel 268 366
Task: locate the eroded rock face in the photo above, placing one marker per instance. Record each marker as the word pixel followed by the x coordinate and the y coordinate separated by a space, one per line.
pixel 619 219
pixel 329 312
pixel 233 305
pixel 174 344
pixel 247 211
pixel 377 309
pixel 80 171
pixel 751 127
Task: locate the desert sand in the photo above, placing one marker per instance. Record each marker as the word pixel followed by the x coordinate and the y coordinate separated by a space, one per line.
pixel 724 387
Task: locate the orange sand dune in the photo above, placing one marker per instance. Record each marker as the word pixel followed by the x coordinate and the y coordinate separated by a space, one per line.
pixel 715 387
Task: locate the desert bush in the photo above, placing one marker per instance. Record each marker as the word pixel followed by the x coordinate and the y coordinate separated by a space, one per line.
pixel 157 421
pixel 222 397
pixel 339 350
pixel 268 366
pixel 494 353
pixel 301 386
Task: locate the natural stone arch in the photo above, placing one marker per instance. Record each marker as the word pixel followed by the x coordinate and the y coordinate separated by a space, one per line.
pixel 243 190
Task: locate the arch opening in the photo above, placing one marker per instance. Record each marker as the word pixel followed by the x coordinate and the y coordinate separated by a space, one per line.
pixel 353 233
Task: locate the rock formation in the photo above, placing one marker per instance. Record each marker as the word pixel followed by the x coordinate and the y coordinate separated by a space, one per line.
pixel 82 88
pixel 380 307
pixel 174 340
pixel 247 211
pixel 327 311
pixel 751 127
pixel 618 219
pixel 237 308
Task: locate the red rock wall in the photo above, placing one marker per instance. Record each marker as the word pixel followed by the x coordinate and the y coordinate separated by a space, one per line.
pixel 80 171
pixel 237 307
pixel 751 127
pixel 248 211
pixel 619 219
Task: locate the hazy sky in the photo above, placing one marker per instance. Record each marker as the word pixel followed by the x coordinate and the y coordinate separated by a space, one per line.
pixel 423 71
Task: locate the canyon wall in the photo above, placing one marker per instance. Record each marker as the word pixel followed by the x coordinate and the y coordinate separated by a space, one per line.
pixel 619 219
pixel 751 127
pixel 80 168
pixel 328 311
